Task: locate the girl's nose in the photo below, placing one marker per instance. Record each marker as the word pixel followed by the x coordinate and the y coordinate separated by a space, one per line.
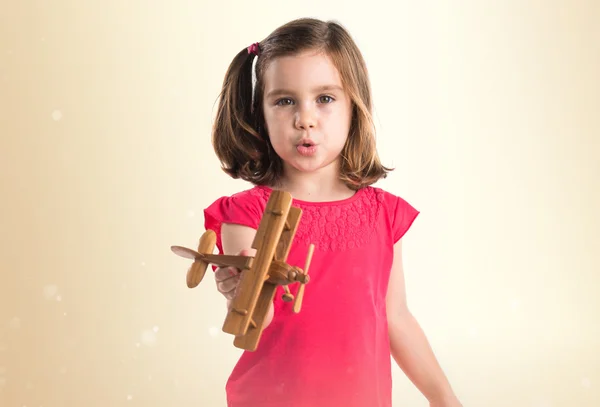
pixel 305 119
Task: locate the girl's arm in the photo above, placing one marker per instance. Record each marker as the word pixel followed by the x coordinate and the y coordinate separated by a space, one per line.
pixel 409 346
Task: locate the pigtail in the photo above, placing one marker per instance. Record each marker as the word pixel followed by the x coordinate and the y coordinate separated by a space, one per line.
pixel 235 135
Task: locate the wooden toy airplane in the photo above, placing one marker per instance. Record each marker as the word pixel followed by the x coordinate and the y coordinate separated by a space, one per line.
pixel 261 273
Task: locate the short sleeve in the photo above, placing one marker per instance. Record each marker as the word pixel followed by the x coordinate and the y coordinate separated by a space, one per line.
pixel 241 209
pixel 402 216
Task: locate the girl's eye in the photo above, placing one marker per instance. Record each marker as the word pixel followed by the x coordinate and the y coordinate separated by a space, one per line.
pixel 325 99
pixel 284 102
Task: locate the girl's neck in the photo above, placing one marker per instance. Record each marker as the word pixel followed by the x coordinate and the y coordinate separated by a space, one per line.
pixel 314 188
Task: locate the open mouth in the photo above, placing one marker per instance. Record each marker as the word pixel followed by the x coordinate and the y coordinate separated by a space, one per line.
pixel 306 148
pixel 306 143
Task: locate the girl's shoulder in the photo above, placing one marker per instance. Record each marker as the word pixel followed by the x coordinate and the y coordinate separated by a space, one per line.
pixel 364 213
pixel 384 198
pixel 399 213
pixel 254 197
pixel 244 207
pixel 351 223
pixel 388 198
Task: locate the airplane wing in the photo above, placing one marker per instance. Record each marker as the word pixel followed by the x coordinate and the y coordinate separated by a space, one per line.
pixel 287 236
pixel 250 340
pixel 273 222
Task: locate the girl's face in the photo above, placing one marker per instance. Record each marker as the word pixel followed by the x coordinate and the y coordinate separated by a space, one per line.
pixel 307 112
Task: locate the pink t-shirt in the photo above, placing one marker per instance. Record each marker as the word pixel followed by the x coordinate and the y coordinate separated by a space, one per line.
pixel 336 351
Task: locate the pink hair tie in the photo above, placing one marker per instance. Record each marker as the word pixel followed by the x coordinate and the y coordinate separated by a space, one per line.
pixel 254 49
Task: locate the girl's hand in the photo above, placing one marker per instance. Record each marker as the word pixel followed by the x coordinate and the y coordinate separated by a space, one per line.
pixel 228 278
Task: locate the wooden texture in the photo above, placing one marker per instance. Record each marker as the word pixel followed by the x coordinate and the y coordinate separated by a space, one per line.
pixel 287 235
pixel 300 293
pixel 249 341
pixel 261 274
pixel 285 244
pixel 251 281
pixel 198 268
pixel 223 260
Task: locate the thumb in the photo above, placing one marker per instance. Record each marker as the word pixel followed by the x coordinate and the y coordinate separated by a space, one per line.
pixel 247 252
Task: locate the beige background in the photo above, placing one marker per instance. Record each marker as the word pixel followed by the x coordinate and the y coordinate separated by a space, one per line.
pixel 489 111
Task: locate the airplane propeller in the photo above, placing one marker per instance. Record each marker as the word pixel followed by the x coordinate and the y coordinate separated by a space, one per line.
pixel 300 293
pixel 268 269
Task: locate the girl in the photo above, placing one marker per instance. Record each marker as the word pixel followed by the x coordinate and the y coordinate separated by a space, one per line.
pixel 305 126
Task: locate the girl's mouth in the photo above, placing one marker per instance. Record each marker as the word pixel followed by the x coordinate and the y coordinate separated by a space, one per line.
pixel 306 149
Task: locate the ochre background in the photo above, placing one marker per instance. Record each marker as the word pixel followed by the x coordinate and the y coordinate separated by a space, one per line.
pixel 488 110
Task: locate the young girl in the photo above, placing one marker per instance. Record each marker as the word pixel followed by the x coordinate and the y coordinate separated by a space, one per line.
pixel 304 126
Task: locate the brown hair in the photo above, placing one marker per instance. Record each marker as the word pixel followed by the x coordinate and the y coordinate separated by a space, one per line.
pixel 239 135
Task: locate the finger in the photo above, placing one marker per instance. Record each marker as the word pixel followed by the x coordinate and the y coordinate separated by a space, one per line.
pixel 228 285
pixel 247 252
pixel 225 273
pixel 231 294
